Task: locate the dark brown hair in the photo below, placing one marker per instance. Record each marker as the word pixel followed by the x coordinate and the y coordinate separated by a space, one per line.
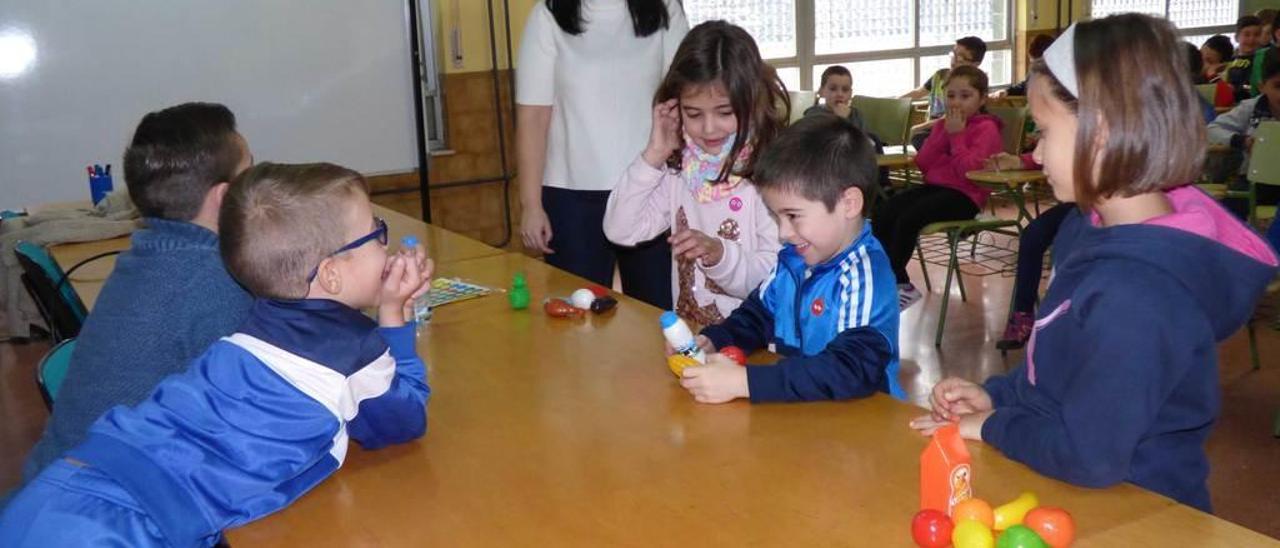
pixel 818 158
pixel 1140 125
pixel 717 52
pixel 278 222
pixel 178 154
pixel 647 16
pixel 974 75
pixel 1036 48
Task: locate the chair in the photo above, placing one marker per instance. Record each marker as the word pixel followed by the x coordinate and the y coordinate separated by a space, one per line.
pixel 888 118
pixel 1014 119
pixel 58 303
pixel 52 370
pixel 1264 169
pixel 800 100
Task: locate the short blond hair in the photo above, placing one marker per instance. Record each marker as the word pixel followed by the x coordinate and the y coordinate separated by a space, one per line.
pixel 277 223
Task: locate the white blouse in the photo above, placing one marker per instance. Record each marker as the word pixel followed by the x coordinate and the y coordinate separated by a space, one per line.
pixel 600 85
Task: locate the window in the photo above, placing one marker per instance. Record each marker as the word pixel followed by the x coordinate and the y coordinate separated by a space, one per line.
pixel 1195 19
pixel 890 46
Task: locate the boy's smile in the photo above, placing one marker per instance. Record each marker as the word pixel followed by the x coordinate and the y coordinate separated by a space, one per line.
pixel 817 233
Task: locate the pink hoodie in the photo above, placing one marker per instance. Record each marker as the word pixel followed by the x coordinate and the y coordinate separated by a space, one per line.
pixel 946 158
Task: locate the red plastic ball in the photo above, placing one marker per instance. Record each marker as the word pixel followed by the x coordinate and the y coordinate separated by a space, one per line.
pixel 1054 525
pixel 734 353
pixel 931 529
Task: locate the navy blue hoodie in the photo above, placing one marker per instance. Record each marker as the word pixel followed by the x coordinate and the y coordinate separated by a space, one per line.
pixel 1121 377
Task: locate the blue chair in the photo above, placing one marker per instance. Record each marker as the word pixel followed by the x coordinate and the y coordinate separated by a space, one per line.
pixel 59 304
pixel 52 370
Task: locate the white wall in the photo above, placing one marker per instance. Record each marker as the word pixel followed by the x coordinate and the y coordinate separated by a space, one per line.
pixel 309 80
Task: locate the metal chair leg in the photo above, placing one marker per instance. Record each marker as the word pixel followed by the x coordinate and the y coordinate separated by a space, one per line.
pixel 954 241
pixel 928 285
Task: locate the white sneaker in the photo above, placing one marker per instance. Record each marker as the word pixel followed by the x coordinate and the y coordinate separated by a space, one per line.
pixel 908 295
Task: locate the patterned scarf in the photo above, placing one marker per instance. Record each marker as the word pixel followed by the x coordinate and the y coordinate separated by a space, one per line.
pixel 701 169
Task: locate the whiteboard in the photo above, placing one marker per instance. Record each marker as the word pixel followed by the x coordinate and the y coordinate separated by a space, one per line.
pixel 308 80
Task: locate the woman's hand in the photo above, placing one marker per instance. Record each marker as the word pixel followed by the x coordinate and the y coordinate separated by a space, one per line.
pixel 535 230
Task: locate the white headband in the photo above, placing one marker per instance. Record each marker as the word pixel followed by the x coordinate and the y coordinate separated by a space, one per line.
pixel 1061 60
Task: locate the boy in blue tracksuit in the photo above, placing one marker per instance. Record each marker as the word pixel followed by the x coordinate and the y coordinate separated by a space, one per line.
pixel 830 305
pixel 266 413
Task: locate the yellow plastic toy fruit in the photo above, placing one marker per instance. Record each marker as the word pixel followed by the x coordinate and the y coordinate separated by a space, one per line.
pixel 1012 513
pixel 975 509
pixel 972 534
pixel 677 363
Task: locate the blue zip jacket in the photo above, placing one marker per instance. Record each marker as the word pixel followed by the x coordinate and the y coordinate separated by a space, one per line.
pixel 1120 382
pixel 836 325
pixel 259 419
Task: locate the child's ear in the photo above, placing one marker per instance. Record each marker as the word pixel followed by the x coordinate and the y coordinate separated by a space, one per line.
pixel 851 200
pixel 329 277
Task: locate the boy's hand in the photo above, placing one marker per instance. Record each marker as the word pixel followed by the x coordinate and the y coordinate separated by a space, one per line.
pixel 702 342
pixel 842 109
pixel 664 134
pixel 693 245
pixel 406 276
pixel 953 397
pixel 719 381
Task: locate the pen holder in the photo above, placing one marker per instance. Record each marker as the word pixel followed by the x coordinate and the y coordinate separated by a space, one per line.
pixel 99 187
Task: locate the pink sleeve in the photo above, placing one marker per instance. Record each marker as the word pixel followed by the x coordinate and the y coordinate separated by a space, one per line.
pixel 971 148
pixel 639 207
pixel 740 271
pixel 936 150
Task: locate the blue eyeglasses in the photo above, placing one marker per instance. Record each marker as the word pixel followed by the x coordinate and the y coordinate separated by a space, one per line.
pixel 379 233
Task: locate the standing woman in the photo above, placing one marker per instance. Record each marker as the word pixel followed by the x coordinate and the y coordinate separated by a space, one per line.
pixel 584 91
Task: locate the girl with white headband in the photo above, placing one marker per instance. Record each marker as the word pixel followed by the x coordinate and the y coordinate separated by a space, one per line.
pixel 1120 380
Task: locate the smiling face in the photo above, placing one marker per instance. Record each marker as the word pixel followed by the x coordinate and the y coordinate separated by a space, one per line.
pixel 816 232
pixel 708 116
pixel 837 89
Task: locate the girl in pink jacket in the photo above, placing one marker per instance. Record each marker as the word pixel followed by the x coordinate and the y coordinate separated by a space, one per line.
pixel 718 106
pixel 960 144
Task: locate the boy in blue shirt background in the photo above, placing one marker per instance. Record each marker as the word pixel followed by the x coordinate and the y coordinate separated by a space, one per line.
pixel 830 305
pixel 264 414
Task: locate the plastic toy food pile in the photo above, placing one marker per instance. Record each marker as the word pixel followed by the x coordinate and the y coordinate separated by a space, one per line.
pixel 594 298
pixel 951 516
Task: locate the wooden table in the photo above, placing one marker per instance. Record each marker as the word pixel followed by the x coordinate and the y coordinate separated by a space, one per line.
pixel 442 245
pixel 554 432
pixel 1011 183
pixel 902 162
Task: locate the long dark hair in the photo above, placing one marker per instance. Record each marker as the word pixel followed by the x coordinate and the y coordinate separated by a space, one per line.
pixel 647 16
pixel 720 52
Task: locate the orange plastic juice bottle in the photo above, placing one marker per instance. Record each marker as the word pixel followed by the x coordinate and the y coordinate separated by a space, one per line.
pixel 946 477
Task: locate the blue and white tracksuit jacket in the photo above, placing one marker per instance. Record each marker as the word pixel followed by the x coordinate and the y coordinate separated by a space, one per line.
pixel 836 324
pixel 257 420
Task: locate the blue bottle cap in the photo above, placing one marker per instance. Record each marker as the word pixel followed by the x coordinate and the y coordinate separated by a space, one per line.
pixel 669 318
pixel 409 241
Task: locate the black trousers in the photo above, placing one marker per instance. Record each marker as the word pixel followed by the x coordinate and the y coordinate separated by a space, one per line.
pixel 581 248
pixel 898 221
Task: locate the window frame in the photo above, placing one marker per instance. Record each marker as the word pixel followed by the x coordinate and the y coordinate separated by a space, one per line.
pixel 806 58
pixel 1229 30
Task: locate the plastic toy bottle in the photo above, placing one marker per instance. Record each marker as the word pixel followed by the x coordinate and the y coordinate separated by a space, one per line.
pixel 422 304
pixel 519 295
pixel 680 337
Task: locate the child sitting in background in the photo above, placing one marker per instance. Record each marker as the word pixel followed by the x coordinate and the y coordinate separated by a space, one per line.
pixel 713 114
pixel 1215 54
pixel 836 94
pixel 828 305
pixel 1240 69
pixel 265 414
pixel 1120 381
pixel 1235 128
pixel 957 145
pixel 968 51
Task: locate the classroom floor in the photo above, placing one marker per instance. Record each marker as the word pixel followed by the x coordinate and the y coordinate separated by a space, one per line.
pixel 1245 477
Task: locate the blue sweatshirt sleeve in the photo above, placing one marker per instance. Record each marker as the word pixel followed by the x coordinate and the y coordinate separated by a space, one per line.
pixel 1097 399
pixel 748 327
pixel 399 414
pixel 851 366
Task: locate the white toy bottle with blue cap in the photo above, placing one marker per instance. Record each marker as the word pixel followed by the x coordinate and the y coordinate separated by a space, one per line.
pixel 680 337
pixel 422 304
